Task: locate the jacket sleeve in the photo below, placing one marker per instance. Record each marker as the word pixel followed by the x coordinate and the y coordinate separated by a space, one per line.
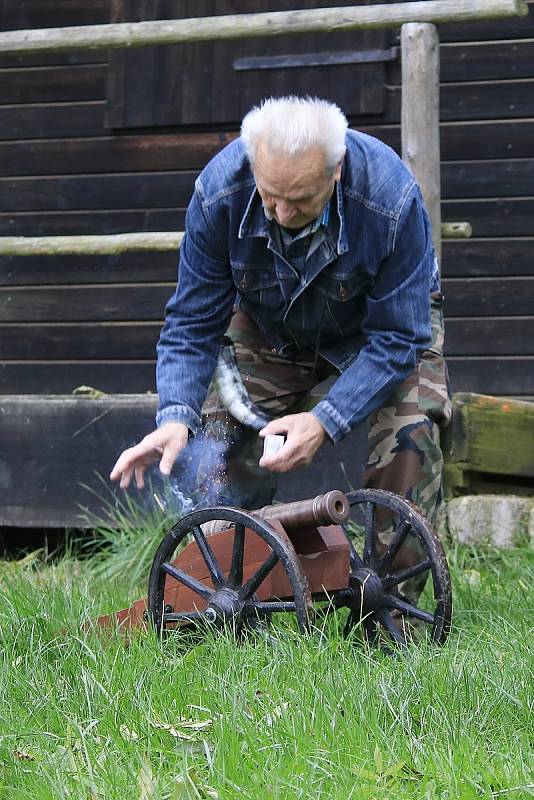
pixel 196 318
pixel 396 326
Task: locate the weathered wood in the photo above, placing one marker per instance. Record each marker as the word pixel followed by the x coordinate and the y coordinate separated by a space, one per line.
pixel 80 439
pixel 508 375
pixel 94 245
pixel 494 216
pixel 420 116
pixel 489 297
pixel 487 336
pixel 114 244
pixel 98 341
pixel 62 377
pixel 141 34
pixel 455 230
pixel 481 258
pixel 489 437
pixel 129 267
pixel 106 222
pixel 474 258
pixel 54 84
pixel 498 139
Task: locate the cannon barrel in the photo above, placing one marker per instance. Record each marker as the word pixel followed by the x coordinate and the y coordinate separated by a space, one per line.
pixel 325 509
pixel 330 508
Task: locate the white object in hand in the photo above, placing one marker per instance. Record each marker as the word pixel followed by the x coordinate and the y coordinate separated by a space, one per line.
pixel 272 444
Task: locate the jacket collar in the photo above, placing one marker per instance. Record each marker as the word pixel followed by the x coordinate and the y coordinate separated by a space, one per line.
pixel 255 223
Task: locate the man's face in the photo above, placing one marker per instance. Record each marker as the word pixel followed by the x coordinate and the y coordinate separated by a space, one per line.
pixel 294 190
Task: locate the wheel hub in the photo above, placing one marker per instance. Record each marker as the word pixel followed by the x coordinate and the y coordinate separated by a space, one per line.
pixel 368 590
pixel 223 607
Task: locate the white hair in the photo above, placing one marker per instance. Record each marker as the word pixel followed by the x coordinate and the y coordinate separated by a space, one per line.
pixel 291 125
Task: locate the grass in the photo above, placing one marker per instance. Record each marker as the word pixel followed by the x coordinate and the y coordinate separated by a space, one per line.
pixel 88 716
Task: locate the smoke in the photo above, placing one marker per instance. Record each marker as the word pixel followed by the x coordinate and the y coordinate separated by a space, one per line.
pixel 198 478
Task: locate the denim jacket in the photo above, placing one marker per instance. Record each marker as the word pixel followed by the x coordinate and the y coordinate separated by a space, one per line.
pixel 362 303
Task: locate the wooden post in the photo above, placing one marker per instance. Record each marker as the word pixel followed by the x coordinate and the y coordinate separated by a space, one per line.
pixel 272 23
pixel 420 116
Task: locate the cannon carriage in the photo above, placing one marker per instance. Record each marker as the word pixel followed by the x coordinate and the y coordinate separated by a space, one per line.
pixel 224 567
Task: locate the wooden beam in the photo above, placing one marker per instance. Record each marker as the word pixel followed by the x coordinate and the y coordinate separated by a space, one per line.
pixel 237 26
pixel 113 244
pixel 420 116
pixel 88 245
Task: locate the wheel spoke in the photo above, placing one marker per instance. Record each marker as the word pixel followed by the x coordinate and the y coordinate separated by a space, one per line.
pixel 235 576
pixel 385 618
pixel 369 551
pixel 208 556
pixel 408 609
pixel 187 580
pixel 405 574
pixel 259 576
pixel 394 546
pixel 270 606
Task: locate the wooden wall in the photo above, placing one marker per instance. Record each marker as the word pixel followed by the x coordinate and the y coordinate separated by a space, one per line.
pixel 93 320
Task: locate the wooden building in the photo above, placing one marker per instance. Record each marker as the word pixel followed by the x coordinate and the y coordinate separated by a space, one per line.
pixel 100 142
pixel 110 142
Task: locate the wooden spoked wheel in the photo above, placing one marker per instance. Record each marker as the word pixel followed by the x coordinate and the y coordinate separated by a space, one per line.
pixel 224 584
pixel 383 565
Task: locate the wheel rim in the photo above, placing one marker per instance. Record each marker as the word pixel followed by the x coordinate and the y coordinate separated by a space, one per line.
pixel 230 600
pixel 376 604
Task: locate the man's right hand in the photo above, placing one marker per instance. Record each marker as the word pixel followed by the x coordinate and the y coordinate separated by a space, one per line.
pixel 167 441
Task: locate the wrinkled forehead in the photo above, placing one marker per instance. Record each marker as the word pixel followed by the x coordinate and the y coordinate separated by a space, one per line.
pixel 299 174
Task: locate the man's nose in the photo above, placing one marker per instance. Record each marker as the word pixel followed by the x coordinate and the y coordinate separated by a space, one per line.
pixel 284 211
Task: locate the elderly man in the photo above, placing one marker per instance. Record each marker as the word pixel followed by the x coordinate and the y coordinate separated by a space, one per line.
pixel 310 245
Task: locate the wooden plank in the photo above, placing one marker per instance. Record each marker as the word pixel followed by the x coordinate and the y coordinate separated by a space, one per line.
pixel 512 28
pixel 53 84
pixel 492 436
pixel 90 222
pixel 62 377
pixel 488 297
pixel 177 151
pixel 489 218
pixel 48 13
pixel 508 178
pixel 86 303
pixel 52 60
pixel 459 102
pixel 494 139
pixel 237 26
pixel 82 341
pixel 472 258
pixel 95 245
pixel 480 258
pixel 79 439
pixel 137 340
pixel 478 297
pixel 142 153
pixel 480 61
pixel 493 217
pixel 120 268
pixel 73 193
pixel 487 336
pixel 505 178
pixel 498 376
pixel 53 120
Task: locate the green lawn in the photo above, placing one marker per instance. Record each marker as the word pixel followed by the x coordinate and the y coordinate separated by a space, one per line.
pixel 322 717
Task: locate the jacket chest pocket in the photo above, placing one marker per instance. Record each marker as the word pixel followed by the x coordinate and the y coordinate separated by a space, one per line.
pixel 258 286
pixel 335 295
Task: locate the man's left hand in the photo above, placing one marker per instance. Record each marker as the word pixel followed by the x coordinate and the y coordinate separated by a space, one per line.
pixel 304 435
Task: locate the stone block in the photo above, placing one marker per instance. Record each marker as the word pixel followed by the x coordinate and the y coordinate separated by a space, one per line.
pixel 498 520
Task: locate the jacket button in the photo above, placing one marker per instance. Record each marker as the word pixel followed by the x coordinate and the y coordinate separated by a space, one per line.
pixel 243 283
pixel 342 291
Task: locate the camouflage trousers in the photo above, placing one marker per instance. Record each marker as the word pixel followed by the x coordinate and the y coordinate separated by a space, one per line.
pixel 404 455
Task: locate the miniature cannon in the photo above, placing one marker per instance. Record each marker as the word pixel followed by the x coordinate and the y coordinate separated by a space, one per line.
pixel 243 567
